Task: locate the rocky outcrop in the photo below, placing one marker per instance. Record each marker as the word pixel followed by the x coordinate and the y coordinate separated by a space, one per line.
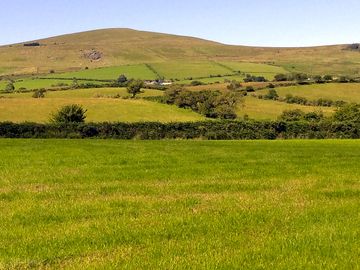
pixel 93 55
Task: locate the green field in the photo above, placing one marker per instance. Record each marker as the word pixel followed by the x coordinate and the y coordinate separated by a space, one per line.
pixel 268 71
pixel 269 109
pixel 182 70
pixel 93 204
pixel 110 73
pixel 335 91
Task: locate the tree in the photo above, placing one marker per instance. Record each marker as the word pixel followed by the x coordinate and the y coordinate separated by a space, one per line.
pixel 10 88
pixel 122 79
pixel 134 87
pixel 70 114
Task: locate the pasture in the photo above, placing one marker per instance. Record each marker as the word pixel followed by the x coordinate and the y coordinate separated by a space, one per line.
pixel 21 107
pixel 349 92
pixel 94 204
pixel 270 110
pixel 110 73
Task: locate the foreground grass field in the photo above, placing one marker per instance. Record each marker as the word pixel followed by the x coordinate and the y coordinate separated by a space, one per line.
pixel 94 204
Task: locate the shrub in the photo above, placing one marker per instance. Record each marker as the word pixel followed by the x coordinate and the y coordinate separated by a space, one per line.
pixel 249 89
pixel 280 78
pixel 122 79
pixel 350 112
pixel 40 93
pixel 196 83
pixel 271 95
pixel 292 115
pixel 234 85
pixel 9 88
pixel 70 114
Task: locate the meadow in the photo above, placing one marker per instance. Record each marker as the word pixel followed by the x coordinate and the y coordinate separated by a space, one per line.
pixel 270 110
pixel 95 204
pixel 349 92
pixel 20 107
pixel 110 73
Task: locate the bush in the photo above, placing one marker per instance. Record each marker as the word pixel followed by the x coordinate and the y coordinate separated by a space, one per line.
pixel 40 93
pixel 70 114
pixel 292 115
pixel 196 83
pixel 9 88
pixel 280 78
pixel 271 95
pixel 348 113
pixel 234 85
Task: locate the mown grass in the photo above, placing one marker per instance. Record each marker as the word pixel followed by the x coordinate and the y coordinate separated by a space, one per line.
pixel 91 204
pixel 335 91
pixel 269 109
pixel 98 110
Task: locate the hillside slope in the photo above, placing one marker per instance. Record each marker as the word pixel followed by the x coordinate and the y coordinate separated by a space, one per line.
pixel 114 47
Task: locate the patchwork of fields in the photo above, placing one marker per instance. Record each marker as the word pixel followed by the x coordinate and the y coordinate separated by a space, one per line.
pixel 78 204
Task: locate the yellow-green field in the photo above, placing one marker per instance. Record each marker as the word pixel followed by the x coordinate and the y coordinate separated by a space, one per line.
pixel 21 107
pixel 86 93
pixel 268 109
pixel 335 91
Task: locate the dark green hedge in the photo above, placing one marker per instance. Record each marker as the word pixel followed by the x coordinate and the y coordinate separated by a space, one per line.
pixel 211 130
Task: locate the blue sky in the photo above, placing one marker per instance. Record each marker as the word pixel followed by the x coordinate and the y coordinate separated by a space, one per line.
pixel 242 22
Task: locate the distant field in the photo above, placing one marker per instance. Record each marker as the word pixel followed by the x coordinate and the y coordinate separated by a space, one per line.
pixel 348 92
pixel 105 204
pixel 182 70
pixel 110 73
pixel 267 109
pixel 268 71
pixel 87 93
pixel 99 110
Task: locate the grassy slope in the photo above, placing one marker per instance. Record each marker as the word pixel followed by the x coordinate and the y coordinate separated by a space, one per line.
pixel 125 46
pixel 347 92
pixel 93 204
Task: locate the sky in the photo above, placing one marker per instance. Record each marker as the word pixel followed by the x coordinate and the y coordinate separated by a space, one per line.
pixel 239 22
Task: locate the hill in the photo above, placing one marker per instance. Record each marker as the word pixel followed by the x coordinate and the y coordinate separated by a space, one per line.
pixel 117 47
